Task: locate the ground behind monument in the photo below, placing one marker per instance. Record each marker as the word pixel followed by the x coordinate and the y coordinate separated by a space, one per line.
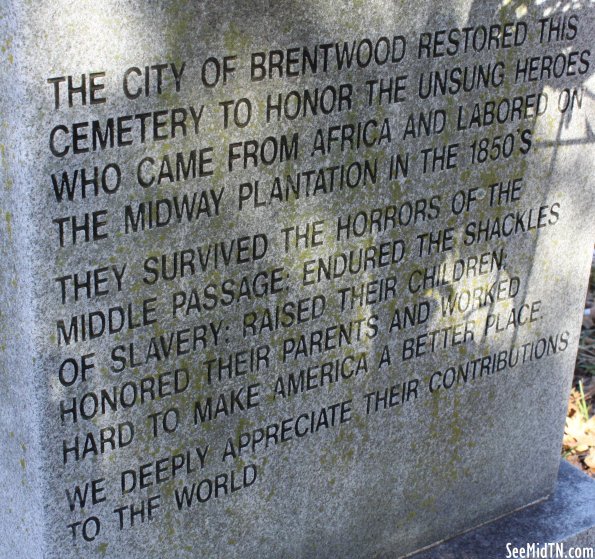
pixel 579 434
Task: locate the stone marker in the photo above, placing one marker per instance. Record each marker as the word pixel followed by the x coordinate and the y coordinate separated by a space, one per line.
pixel 550 529
pixel 286 279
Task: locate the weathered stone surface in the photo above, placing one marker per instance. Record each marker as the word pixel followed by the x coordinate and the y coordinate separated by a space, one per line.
pixel 565 520
pixel 470 243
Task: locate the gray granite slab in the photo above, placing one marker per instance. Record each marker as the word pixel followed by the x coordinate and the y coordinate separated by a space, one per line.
pixel 286 279
pixel 567 517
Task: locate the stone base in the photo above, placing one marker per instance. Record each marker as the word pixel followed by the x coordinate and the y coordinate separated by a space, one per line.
pixel 568 516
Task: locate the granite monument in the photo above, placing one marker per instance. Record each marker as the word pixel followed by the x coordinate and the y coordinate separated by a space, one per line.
pixel 286 279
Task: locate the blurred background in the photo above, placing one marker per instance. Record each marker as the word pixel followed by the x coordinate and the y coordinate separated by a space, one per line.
pixel 579 434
